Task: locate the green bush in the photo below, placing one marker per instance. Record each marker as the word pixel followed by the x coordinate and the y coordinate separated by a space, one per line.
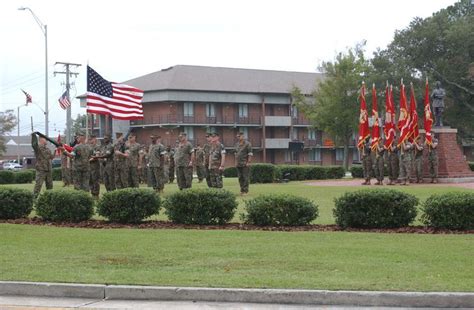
pixel 7 177
pixel 375 208
pixel 471 165
pixel 129 205
pixel 357 171
pixel 61 205
pixel 33 173
pixel 24 176
pixel 335 172
pixel 451 210
pixel 316 173
pixel 280 209
pixel 15 203
pixel 262 173
pixel 201 206
pixel 57 174
pixel 292 172
pixel 230 172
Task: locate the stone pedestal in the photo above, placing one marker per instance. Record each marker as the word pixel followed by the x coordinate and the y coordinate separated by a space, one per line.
pixel 452 164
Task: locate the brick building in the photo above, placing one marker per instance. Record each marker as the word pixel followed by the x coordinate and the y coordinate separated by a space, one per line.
pixel 197 100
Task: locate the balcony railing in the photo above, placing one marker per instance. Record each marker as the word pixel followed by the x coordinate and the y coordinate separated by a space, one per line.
pixel 171 119
pixel 229 143
pixel 301 121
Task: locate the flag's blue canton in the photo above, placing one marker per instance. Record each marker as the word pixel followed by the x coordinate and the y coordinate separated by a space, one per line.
pixel 97 84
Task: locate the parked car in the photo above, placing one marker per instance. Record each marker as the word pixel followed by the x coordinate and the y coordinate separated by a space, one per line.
pixel 12 166
pixel 56 163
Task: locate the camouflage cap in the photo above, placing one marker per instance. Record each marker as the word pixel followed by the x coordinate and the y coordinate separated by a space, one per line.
pixel 214 134
pixel 182 134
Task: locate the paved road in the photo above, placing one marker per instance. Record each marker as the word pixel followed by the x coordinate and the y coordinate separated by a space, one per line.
pixel 29 303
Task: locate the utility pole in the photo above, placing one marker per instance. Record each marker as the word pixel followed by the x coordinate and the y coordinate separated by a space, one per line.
pixel 68 73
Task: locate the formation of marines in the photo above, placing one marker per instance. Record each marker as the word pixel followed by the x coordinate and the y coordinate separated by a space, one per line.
pixel 401 160
pixel 126 163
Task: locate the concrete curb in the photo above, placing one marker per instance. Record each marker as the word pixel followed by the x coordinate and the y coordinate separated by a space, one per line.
pixel 276 296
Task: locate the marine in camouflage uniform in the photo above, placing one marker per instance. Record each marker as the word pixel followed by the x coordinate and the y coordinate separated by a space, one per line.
pixel 405 162
pixel 80 164
pixel 418 159
pixel 392 164
pixel 184 158
pixel 107 155
pixel 166 165
pixel 132 149
pixel 65 170
pixel 243 157
pixel 172 165
pixel 379 163
pixel 207 150
pixel 143 173
pixel 43 166
pixel 200 163
pixel 216 162
pixel 94 180
pixel 156 155
pixel 366 161
pixel 120 163
pixel 433 160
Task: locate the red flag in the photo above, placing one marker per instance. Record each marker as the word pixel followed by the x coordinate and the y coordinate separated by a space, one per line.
pixel 428 115
pixel 404 118
pixel 375 117
pixel 414 130
pixel 58 151
pixel 29 99
pixel 389 128
pixel 363 119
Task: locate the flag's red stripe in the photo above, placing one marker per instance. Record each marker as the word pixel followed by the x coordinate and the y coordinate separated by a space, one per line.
pixel 112 108
pixel 114 103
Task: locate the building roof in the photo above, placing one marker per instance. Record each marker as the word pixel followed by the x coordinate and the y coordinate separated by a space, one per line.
pixel 200 78
pixel 20 146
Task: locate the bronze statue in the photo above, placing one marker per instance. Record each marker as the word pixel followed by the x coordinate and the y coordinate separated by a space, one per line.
pixel 438 103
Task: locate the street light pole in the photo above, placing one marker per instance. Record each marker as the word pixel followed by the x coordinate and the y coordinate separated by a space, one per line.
pixel 44 29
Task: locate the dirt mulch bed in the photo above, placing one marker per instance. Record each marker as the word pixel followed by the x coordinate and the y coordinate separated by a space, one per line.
pixel 97 224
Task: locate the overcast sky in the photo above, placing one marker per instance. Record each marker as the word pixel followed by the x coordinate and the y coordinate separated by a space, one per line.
pixel 126 39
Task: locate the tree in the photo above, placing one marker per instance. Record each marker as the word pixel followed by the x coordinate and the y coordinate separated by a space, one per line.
pixel 7 123
pixel 78 124
pixel 333 106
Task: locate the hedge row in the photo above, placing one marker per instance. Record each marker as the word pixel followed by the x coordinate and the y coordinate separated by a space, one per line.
pixel 24 176
pixel 372 208
pixel 268 173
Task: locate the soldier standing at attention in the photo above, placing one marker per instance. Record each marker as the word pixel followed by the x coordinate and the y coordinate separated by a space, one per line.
pixel 207 151
pixel 200 163
pixel 366 161
pixel 43 166
pixel 216 161
pixel 156 155
pixel 392 163
pixel 405 162
pixel 418 158
pixel 120 158
pixel 107 156
pixel 132 149
pixel 184 158
pixel 243 157
pixel 143 173
pixel 433 160
pixel 80 164
pixel 379 164
pixel 171 166
pixel 94 167
pixel 65 170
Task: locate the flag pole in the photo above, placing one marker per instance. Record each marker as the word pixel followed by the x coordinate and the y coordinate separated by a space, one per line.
pixel 87 126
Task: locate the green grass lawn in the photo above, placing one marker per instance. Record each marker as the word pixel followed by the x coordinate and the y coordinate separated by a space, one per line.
pixel 311 260
pixel 322 195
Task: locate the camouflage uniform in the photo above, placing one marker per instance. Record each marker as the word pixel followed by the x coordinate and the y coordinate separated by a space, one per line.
pixel 94 180
pixel 215 159
pixel 172 166
pixel 108 166
pixel 243 151
pixel 81 166
pixel 433 160
pixel 65 170
pixel 43 166
pixel 121 169
pixel 207 150
pixel 166 166
pixel 156 164
pixel 392 164
pixel 133 151
pixel 182 158
pixel 405 162
pixel 418 161
pixel 366 162
pixel 200 164
pixel 379 164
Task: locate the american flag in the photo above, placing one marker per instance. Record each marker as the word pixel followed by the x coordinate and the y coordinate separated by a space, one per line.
pixel 117 100
pixel 28 97
pixel 64 102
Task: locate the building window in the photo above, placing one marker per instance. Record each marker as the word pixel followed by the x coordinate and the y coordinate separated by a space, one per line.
pixel 188 109
pixel 243 110
pixel 287 156
pixel 311 134
pixel 294 134
pixel 189 132
pixel 294 111
pixel 315 155
pixel 339 154
pixel 245 131
pixel 210 110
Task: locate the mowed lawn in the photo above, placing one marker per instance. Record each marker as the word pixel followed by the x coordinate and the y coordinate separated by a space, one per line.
pixel 321 195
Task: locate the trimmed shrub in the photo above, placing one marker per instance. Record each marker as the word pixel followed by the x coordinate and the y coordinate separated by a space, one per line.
pixel 292 172
pixel 316 173
pixel 201 206
pixel 451 210
pixel 280 209
pixel 25 176
pixel 471 165
pixel 61 205
pixel 15 203
pixel 230 172
pixel 375 208
pixel 357 171
pixel 262 173
pixel 57 174
pixel 335 172
pixel 7 177
pixel 129 205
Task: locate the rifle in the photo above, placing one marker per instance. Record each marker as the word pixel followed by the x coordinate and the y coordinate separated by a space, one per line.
pixel 56 143
pixel 122 145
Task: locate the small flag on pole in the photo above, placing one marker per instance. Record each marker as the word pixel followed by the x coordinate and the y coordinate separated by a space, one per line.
pixel 363 118
pixel 64 102
pixel 389 128
pixel 28 97
pixel 404 118
pixel 428 115
pixel 414 131
pixel 375 117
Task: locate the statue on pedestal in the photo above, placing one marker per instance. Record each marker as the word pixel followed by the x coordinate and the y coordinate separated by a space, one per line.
pixel 438 103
